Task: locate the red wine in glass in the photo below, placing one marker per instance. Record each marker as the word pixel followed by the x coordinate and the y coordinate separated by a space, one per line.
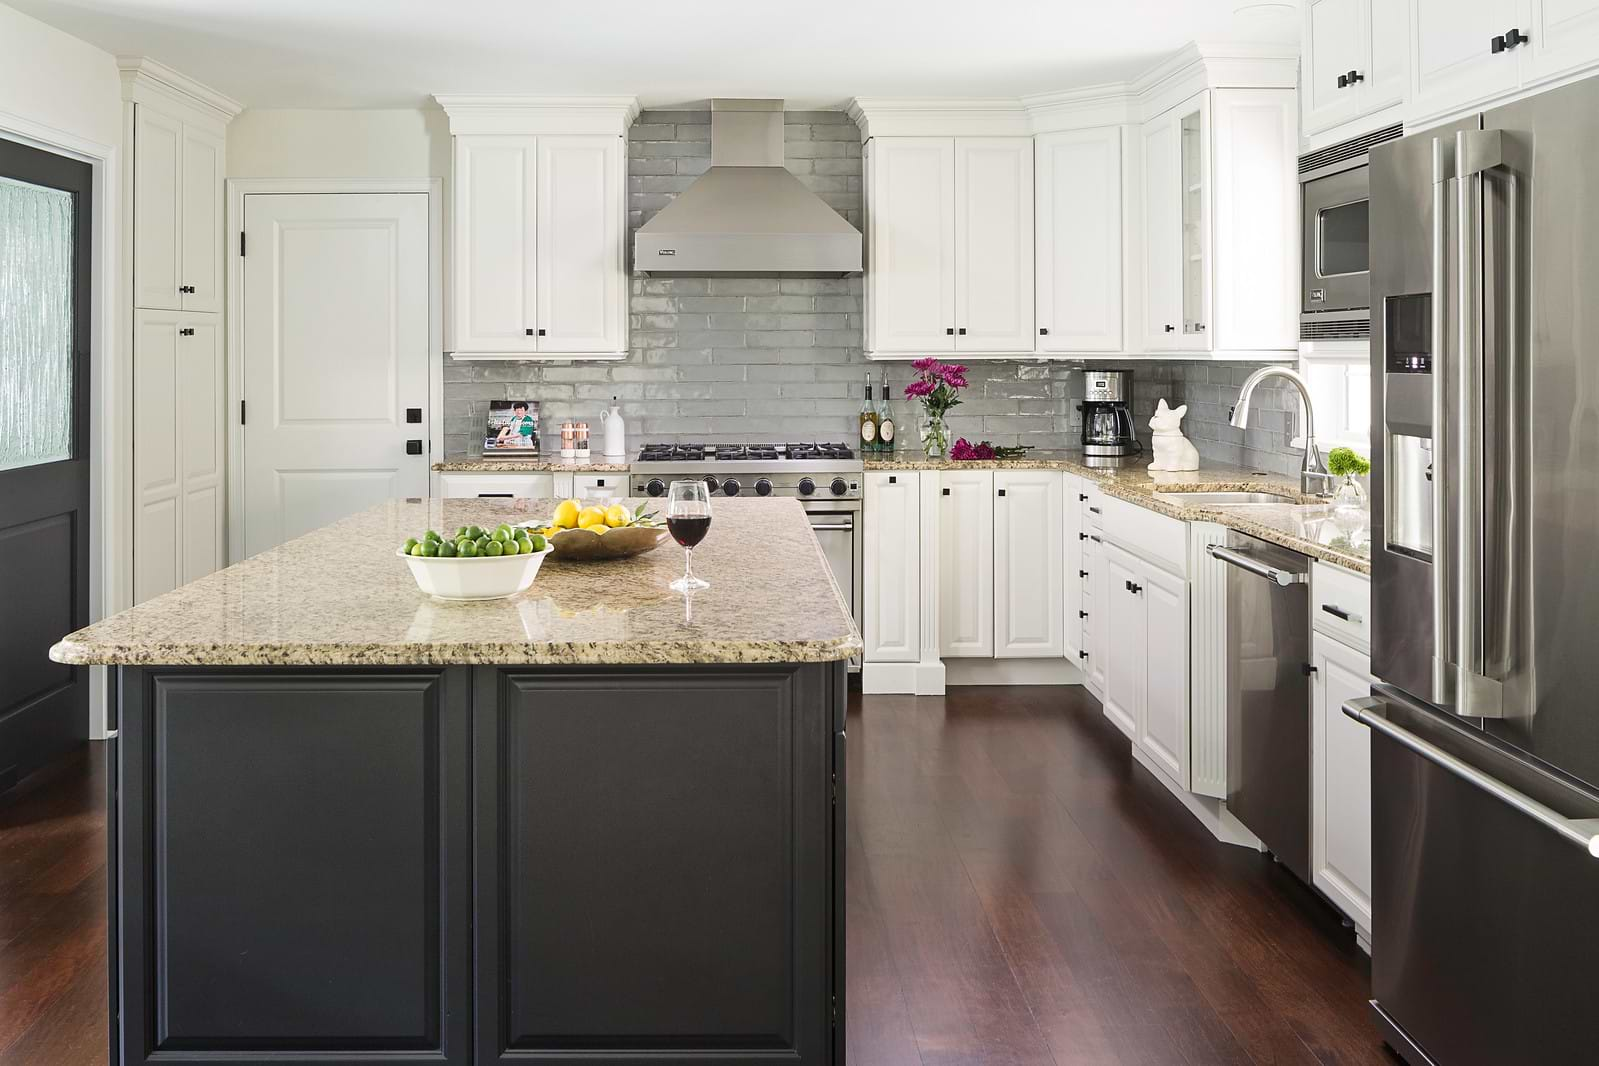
pixel 689 530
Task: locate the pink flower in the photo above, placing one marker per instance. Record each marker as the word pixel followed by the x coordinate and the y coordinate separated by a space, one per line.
pixel 924 364
pixel 918 388
pixel 962 449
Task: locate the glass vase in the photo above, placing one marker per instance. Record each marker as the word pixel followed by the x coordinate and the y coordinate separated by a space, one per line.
pixel 935 436
pixel 1350 495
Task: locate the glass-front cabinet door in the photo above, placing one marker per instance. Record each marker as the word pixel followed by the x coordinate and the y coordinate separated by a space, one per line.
pixel 1177 253
pixel 1195 189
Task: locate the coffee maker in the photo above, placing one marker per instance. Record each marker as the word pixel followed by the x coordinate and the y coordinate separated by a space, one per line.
pixel 1107 414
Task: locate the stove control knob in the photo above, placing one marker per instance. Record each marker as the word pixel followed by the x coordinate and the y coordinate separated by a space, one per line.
pixel 763 487
pixel 839 486
pixel 730 487
pixel 656 487
pixel 711 482
pixel 806 486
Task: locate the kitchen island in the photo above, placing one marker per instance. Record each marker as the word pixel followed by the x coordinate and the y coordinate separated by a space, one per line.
pixel 595 823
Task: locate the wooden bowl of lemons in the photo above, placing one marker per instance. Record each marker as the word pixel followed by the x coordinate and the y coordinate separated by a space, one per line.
pixel 585 534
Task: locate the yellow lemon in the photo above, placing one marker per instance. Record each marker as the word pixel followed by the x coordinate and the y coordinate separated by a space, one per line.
pixel 566 514
pixel 616 515
pixel 591 516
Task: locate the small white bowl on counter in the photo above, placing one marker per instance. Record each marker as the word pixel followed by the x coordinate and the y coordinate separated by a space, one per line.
pixel 481 577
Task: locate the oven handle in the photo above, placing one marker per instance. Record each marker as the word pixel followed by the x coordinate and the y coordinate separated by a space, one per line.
pixel 1584 832
pixel 1256 567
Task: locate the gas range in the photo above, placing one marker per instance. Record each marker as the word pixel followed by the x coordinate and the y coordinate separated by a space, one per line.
pixel 803 471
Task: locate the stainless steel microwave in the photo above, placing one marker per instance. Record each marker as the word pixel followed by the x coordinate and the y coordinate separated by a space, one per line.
pixel 1335 276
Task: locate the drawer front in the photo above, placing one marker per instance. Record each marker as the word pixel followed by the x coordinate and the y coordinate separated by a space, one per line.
pixel 1093 502
pixel 497 486
pixel 1158 539
pixel 1340 604
pixel 599 486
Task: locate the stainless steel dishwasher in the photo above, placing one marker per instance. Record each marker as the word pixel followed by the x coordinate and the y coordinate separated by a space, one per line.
pixel 1268 694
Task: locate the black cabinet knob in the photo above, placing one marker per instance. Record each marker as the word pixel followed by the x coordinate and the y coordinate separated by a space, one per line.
pixel 1082 497
pixel 413 447
pixel 1513 38
pixel 1082 573
pixel 1082 614
pixel 413 414
pixel 946 492
pixel 1082 536
pixel 962 331
pixel 185 332
pixel 1170 328
pixel 1043 331
pixel 1343 81
pixel 541 333
pixel 1355 76
pixel 185 288
pixel 1002 492
pixel 1082 655
pixel 530 331
pixel 950 332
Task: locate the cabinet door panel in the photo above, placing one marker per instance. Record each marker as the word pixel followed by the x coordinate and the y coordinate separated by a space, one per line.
pixel 157 209
pixel 913 244
pixel 157 494
pixel 200 405
pixel 1565 39
pixel 1163 727
pixel 580 281
pixel 892 622
pixel 1341 780
pixel 495 298
pixel 1387 38
pixel 966 564
pixel 1079 254
pixel 1163 222
pixel 201 228
pixel 1334 46
pixel 1451 64
pixel 1125 655
pixel 994 244
pixel 1096 596
pixel 1029 613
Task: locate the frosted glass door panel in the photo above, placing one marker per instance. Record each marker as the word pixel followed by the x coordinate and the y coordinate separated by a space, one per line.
pixel 35 324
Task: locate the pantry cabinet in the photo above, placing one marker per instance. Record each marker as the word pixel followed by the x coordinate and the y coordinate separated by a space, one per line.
pixel 1079 228
pixel 949 245
pixel 966 564
pixel 538 228
pixel 1029 606
pixel 1220 200
pixel 177 212
pixel 1354 60
pixel 891 619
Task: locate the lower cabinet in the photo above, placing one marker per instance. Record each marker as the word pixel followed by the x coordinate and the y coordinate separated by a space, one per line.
pixel 966 571
pixel 509 485
pixel 1146 664
pixel 1340 807
pixel 891 568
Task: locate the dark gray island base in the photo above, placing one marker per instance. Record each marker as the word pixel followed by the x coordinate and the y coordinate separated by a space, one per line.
pixel 596 864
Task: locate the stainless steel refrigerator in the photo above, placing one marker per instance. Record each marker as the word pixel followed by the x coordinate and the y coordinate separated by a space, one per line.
pixel 1485 568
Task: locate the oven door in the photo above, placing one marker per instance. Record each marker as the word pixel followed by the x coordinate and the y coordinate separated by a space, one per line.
pixel 838 529
pixel 1337 246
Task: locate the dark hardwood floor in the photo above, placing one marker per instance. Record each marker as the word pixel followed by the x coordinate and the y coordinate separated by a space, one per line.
pixel 1020 892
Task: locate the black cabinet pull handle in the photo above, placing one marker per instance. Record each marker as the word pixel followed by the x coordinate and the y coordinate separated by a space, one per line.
pixel 1092 510
pixel 946 492
pixel 1135 589
pixel 1082 573
pixel 530 331
pixel 185 288
pixel 1082 655
pixel 413 447
pixel 962 331
pixel 1513 38
pixel 1170 328
pixel 950 332
pixel 1095 539
pixel 1043 331
pixel 1128 585
pixel 1356 76
pixel 1081 496
pixel 1082 614
pixel 1082 536
pixel 1306 669
pixel 1339 612
pixel 413 414
pixel 1343 81
pixel 541 333
pixel 185 332
pixel 1002 492
pixel 892 480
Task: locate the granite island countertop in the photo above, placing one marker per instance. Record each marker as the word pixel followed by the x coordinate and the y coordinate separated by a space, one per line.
pixel 596 464
pixel 340 596
pixel 1304 523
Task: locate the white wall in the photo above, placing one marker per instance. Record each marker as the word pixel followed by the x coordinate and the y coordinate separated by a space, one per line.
pixel 53 79
pixel 339 144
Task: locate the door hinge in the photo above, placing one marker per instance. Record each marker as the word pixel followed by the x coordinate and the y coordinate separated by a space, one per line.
pixel 241 242
pixel 241 412
pixel 835 1012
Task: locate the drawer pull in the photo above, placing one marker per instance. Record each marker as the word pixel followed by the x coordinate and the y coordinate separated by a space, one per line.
pixel 1339 612
pixel 1082 573
pixel 1082 536
pixel 1082 614
pixel 1093 510
pixel 1095 539
pixel 495 496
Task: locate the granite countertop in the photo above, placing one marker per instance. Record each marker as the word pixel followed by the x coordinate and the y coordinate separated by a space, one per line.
pixel 340 596
pixel 1304 523
pixel 597 464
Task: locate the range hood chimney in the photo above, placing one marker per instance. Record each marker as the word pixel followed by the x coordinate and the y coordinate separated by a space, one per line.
pixel 747 214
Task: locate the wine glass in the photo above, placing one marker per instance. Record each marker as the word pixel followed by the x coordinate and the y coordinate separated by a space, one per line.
pixel 688 519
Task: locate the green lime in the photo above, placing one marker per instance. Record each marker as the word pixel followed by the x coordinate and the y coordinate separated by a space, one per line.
pixel 410 542
pixel 505 526
pixel 430 549
pixel 538 542
pixel 416 550
pixel 467 549
pixel 446 550
pixel 494 548
pixel 524 546
pixel 432 535
pixel 502 535
pixel 475 532
pixel 460 532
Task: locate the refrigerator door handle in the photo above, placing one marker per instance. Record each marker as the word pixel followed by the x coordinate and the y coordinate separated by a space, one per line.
pixel 1475 693
pixel 1583 832
pixel 1443 658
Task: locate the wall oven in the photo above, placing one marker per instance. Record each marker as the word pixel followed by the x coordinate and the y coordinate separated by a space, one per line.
pixel 1335 275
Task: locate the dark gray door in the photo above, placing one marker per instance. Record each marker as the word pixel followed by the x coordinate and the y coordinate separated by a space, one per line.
pixel 45 237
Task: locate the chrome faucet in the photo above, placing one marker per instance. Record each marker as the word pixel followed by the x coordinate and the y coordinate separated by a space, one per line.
pixel 1313 477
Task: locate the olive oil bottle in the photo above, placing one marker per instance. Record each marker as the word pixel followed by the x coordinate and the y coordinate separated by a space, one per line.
pixel 885 418
pixel 868 421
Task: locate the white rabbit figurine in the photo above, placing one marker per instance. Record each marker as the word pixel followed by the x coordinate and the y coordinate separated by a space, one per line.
pixel 1173 451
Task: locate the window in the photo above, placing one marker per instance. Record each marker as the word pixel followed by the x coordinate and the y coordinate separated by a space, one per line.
pixel 1339 376
pixel 36 321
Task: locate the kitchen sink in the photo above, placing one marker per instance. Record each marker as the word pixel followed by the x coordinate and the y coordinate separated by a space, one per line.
pixel 1229 498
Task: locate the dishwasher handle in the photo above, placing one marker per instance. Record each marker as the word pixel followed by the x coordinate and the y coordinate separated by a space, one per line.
pixel 1256 567
pixel 1583 832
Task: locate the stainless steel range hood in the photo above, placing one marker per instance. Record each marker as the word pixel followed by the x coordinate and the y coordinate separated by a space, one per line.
pixel 747 214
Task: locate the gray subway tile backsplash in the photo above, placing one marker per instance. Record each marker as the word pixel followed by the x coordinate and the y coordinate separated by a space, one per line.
pixel 741 359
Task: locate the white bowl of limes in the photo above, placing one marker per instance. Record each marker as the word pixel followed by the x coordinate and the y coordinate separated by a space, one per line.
pixel 475 564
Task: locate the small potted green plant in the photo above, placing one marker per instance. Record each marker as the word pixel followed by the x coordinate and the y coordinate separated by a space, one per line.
pixel 1349 465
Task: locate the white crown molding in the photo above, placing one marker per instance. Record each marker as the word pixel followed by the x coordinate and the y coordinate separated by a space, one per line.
pixel 144 80
pixel 516 114
pixel 1196 66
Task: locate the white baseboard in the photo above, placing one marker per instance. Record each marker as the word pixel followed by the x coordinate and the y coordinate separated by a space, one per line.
pixel 1212 813
pixel 1011 672
pixel 909 679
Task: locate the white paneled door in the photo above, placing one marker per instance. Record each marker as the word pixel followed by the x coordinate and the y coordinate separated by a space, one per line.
pixel 335 355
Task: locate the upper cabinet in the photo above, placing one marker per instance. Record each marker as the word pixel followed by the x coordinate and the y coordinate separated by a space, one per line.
pixel 950 244
pixel 1079 225
pixel 1453 64
pixel 1354 61
pixel 177 202
pixel 538 227
pixel 1221 221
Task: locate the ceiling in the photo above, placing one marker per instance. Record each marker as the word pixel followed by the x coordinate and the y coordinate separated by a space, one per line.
pixel 819 53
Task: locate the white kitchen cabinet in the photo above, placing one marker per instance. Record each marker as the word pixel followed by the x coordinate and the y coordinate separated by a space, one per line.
pixel 1096 603
pixel 585 486
pixel 1452 65
pixel 178 456
pixel 1029 607
pixel 950 244
pixel 1340 780
pixel 891 621
pixel 1146 673
pixel 1126 656
pixel 1079 240
pixel 177 209
pixel 508 485
pixel 1564 39
pixel 1073 536
pixel 1220 202
pixel 1354 60
pixel 966 565
pixel 539 246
